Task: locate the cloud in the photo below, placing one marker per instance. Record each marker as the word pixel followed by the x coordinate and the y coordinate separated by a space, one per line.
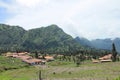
pixel 87 18
pixel 31 3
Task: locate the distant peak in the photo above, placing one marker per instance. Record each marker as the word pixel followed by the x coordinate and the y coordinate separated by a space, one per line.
pixel 53 25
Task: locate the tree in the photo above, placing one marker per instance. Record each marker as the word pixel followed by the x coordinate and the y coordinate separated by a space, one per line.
pixel 36 54
pixel 114 53
pixel 78 59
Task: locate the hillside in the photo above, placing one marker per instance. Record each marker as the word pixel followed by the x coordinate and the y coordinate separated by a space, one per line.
pixel 83 41
pixel 10 37
pixel 106 43
pixel 48 39
pixel 102 43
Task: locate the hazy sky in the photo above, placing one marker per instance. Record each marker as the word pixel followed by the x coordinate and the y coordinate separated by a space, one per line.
pixel 85 18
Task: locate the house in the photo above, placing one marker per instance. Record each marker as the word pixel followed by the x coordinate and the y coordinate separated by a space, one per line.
pixel 15 55
pixel 22 53
pixel 32 61
pixel 9 54
pixel 24 57
pixel 106 58
pixel 49 58
pixel 109 56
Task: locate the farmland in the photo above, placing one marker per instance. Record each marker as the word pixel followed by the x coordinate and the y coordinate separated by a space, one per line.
pixel 10 64
pixel 63 70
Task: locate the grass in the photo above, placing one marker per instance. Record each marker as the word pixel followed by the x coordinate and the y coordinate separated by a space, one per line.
pixel 19 74
pixel 10 63
pixel 118 78
pixel 61 70
pixel 101 71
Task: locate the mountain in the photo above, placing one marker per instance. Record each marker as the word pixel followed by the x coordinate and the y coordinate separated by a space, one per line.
pixel 100 43
pixel 50 38
pixel 106 43
pixel 47 39
pixel 10 36
pixel 83 41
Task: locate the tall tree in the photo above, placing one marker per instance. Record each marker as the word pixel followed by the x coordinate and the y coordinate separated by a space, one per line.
pixel 36 54
pixel 114 52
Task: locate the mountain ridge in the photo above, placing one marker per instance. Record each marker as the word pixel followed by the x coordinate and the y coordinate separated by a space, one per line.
pixel 101 43
pixel 50 39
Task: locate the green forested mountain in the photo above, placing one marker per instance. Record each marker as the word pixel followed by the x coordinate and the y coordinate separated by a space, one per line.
pixel 10 37
pixel 51 38
pixel 47 39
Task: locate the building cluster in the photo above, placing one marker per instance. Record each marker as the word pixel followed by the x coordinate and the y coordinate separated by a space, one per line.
pixel 25 57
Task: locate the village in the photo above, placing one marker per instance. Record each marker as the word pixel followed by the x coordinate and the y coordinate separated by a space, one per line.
pixel 41 60
pixel 25 57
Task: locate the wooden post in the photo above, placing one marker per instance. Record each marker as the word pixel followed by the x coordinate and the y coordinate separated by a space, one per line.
pixel 40 75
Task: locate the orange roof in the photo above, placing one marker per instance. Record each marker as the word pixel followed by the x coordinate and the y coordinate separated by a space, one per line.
pixel 22 53
pixel 106 57
pixel 32 60
pixel 48 57
pixel 24 57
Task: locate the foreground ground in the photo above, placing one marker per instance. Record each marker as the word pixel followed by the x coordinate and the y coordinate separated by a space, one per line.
pixel 59 70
